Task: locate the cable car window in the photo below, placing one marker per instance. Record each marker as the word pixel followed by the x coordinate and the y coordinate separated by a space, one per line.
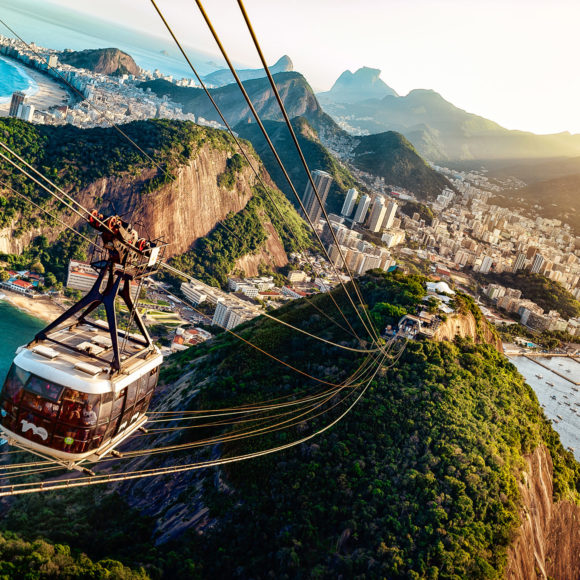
pixel 15 382
pixel 143 386
pixel 106 407
pixel 71 439
pixel 153 376
pixel 132 393
pixel 118 402
pixel 44 388
pixel 98 436
pixel 112 429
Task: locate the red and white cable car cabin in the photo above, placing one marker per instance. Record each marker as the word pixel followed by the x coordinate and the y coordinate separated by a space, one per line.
pixel 82 386
pixel 61 403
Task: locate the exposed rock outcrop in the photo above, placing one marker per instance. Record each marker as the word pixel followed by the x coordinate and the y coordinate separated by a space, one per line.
pixel 548 540
pixel 465 325
pixel 107 61
pixel 181 211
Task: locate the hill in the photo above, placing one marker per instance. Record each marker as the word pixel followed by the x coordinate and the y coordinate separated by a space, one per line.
pixel 193 181
pixel 426 477
pixel 554 199
pixel 390 156
pixel 107 61
pixel 354 87
pixel 222 77
pixel 298 98
pixel 440 131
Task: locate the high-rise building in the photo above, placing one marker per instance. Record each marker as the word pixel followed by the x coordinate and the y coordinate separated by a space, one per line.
pixel 53 61
pixel 349 202
pixel 361 210
pixel 377 214
pixel 520 262
pixel 537 264
pixel 390 217
pixel 322 181
pixel 26 112
pixel 486 264
pixel 16 102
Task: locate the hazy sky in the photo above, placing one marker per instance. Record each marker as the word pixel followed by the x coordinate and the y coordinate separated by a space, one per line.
pixel 512 61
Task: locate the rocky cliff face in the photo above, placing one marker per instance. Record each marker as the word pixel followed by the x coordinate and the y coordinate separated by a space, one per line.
pixel 181 211
pixel 548 541
pixel 465 325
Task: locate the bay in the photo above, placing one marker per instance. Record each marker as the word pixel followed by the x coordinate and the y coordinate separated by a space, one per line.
pixel 558 400
pixel 16 328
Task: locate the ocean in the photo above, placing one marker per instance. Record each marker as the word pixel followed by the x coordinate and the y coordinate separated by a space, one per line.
pixel 16 329
pixel 14 78
pixel 53 26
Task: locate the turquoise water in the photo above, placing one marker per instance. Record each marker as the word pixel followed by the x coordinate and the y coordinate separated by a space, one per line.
pixel 14 78
pixel 16 328
pixel 58 27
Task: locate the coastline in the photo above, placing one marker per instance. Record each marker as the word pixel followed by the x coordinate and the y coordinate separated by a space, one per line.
pixel 41 308
pixel 49 93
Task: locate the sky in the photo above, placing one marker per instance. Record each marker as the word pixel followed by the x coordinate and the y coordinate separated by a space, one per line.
pixel 511 61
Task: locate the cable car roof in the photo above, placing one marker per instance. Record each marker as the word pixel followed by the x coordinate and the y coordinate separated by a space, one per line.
pixel 75 369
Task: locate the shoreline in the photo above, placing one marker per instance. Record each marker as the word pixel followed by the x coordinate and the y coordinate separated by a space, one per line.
pixel 43 309
pixel 50 93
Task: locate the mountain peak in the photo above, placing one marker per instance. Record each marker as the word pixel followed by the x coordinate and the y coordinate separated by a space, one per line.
pixel 362 85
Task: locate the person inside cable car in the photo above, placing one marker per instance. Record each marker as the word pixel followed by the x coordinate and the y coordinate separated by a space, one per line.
pixel 89 416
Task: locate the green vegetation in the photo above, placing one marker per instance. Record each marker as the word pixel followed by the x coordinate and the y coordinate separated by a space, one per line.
pixel 39 559
pixel 234 165
pixel 54 256
pixel 548 294
pixel 419 480
pixel 424 211
pixel 390 156
pixel 215 255
pixel 74 158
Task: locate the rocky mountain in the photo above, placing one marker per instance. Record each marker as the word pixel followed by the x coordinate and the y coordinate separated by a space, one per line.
pixel 107 61
pixel 223 77
pixel 296 94
pixel 445 466
pixel 441 131
pixel 205 184
pixel 320 132
pixel 355 87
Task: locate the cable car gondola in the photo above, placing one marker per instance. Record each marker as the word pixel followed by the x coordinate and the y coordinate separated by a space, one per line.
pixel 82 386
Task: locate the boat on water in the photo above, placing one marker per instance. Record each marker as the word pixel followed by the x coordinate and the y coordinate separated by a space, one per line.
pixel 539 376
pixel 559 417
pixel 553 397
pixel 549 383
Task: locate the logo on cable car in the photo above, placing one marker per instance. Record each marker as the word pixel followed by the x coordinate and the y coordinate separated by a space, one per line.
pixel 40 431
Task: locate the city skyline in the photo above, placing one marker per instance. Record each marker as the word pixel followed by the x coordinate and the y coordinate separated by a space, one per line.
pixel 508 63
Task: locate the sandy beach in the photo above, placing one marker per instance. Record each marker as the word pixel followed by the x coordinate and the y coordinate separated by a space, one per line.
pixel 42 308
pixel 49 94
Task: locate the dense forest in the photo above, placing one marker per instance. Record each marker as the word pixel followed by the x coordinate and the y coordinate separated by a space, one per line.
pixel 419 480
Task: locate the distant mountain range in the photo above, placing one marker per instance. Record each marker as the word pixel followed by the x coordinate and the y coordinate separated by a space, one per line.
pixel 389 155
pixel 108 61
pixel 224 76
pixel 439 130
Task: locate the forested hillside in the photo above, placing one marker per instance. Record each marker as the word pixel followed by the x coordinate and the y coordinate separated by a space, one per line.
pixel 419 480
